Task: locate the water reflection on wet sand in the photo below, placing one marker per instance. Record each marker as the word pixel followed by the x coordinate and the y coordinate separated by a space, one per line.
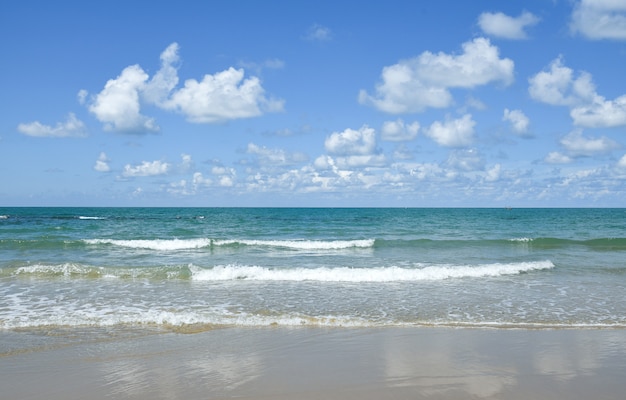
pixel 308 363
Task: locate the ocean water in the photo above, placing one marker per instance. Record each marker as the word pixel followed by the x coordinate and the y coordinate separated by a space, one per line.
pixel 174 268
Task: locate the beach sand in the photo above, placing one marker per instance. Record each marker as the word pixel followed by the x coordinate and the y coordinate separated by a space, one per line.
pixel 315 363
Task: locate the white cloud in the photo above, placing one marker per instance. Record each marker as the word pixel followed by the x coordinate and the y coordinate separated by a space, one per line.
pixel 421 82
pixel 319 33
pixel 558 86
pixel 397 131
pixel 199 180
pixel 275 156
pixel 352 142
pixel 146 168
pixel 600 19
pixel 519 121
pixel 601 113
pixel 453 133
pixel 102 163
pixel 117 106
pixel 72 127
pixel 557 158
pixel 219 97
pixel 578 145
pixel 165 80
pixel 223 96
pixel 587 108
pixel 501 25
pixel 622 162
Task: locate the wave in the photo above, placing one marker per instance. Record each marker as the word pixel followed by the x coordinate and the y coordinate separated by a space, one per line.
pixel 378 274
pixel 154 244
pixel 90 218
pixel 184 244
pixel 617 243
pixel 301 244
pixel 223 273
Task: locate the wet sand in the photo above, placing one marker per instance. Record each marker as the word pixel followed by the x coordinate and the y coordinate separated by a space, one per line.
pixel 315 363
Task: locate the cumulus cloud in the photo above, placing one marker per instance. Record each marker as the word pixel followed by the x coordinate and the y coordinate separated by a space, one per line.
pixel 217 97
pixel 72 127
pixel 398 131
pixel 223 96
pixel 146 168
pixel 452 133
pixel 559 86
pixel 578 145
pixel 519 121
pixel 102 163
pixel 600 19
pixel 501 25
pixel 117 106
pixel 601 113
pixel 352 142
pixel 421 82
pixel 622 162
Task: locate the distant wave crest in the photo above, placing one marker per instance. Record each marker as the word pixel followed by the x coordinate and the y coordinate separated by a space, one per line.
pixel 182 244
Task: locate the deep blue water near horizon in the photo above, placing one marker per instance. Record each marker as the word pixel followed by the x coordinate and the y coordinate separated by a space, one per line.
pixel 71 268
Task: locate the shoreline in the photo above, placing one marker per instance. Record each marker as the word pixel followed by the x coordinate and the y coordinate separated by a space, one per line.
pixel 315 362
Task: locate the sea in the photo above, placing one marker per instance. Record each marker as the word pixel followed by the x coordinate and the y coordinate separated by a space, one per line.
pixel 201 268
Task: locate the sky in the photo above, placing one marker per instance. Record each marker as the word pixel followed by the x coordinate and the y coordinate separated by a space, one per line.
pixel 483 103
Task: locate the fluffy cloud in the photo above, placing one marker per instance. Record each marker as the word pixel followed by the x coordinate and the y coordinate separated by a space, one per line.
pixel 352 142
pixel 219 97
pixel 397 131
pixel 102 163
pixel 453 133
pixel 117 106
pixel 421 82
pixel 601 113
pixel 600 19
pixel 519 121
pixel 146 168
pixel 501 25
pixel 622 162
pixel 558 86
pixel 72 127
pixel 223 96
pixel 578 145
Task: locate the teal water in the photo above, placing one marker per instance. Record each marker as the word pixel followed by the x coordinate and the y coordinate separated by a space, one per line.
pixel 171 267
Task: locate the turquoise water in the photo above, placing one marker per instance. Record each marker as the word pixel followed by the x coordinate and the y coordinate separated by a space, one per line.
pixel 171 267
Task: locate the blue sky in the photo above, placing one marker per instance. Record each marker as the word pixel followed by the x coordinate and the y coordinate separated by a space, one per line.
pixel 326 103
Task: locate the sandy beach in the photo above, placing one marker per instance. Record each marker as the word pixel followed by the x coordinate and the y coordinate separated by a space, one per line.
pixel 315 363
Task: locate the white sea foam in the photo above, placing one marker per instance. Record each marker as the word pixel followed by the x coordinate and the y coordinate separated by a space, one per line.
pixel 380 274
pixel 66 269
pixel 155 244
pixel 85 217
pixel 302 244
pixel 182 244
pixel 4 217
pixel 522 239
